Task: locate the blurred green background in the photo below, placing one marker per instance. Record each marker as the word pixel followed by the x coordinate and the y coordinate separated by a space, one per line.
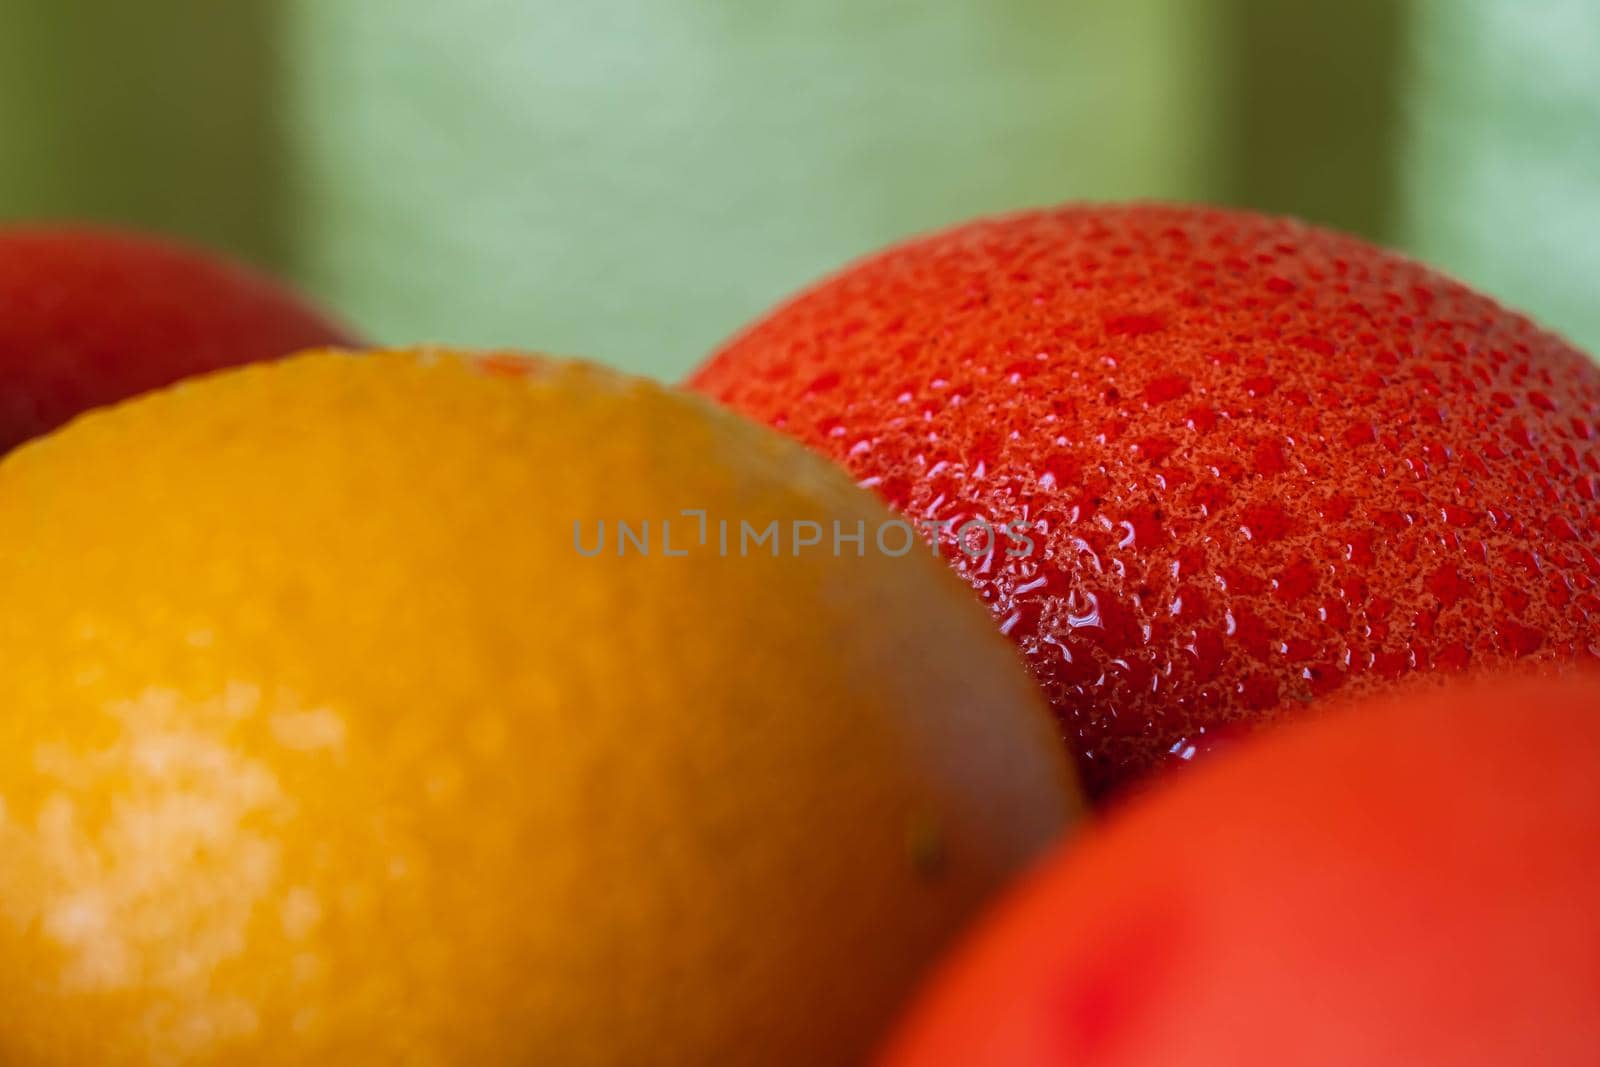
pixel 634 179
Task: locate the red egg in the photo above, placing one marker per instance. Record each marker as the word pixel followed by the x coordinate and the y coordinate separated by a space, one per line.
pixel 1412 883
pixel 1203 466
pixel 89 317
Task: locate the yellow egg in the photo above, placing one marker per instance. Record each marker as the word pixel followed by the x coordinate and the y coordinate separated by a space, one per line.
pixel 329 738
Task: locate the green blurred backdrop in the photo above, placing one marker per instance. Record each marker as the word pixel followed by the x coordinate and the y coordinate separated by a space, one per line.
pixel 634 179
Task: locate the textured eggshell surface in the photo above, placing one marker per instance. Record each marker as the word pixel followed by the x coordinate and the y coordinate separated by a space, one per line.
pixel 1257 463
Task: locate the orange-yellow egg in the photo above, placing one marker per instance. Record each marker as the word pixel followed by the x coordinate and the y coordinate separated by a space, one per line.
pixel 324 743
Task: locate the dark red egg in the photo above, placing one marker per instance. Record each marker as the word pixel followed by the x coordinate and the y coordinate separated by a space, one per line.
pixel 1411 883
pixel 1204 466
pixel 89 317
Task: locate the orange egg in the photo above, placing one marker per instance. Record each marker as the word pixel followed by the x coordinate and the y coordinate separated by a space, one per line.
pixel 327 741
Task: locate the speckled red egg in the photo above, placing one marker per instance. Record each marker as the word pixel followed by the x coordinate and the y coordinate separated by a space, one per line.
pixel 1413 883
pixel 1204 466
pixel 89 317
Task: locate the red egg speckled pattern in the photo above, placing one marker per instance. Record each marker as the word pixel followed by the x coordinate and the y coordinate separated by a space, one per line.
pixel 90 317
pixel 1261 462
